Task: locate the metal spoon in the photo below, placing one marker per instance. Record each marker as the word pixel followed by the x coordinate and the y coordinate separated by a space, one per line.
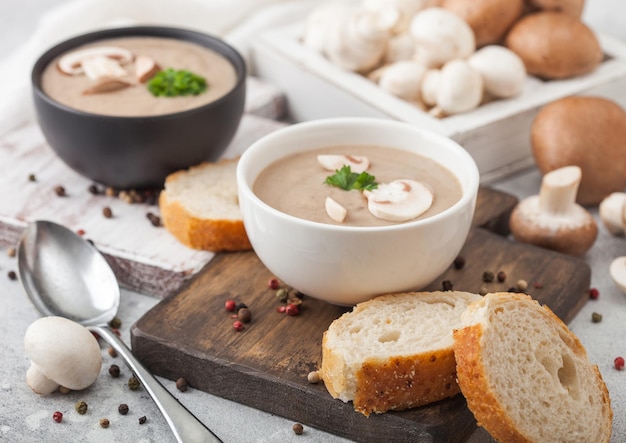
pixel 66 276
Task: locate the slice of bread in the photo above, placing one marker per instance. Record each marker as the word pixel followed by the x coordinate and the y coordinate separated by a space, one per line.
pixel 200 207
pixel 395 351
pixel 526 376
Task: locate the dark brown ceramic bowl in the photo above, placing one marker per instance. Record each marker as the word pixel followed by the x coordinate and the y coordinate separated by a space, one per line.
pixel 139 152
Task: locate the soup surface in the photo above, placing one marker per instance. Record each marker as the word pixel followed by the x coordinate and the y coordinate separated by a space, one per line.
pixel 295 184
pixel 137 100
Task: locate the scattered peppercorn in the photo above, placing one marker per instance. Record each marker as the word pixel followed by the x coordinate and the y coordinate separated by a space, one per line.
pixel 241 306
pixel 511 289
pixel 104 422
pixel 244 315
pixel 114 371
pixel 93 189
pixel 57 416
pixel 112 352
pixel 107 212
pixel 273 283
pixel 521 285
pixel 133 384
pixel 292 309
pixel 110 192
pixel 60 191
pixel 619 363
pixel 314 377
pixel 154 219
pixel 488 276
pixel 81 407
pixel 282 295
pixel 123 409
pixel 594 293
pixel 81 232
pixel 64 390
pixel 596 318
pixel 447 285
pixel 230 305
pixel 11 252
pixel 281 309
pixel 298 429
pixel 115 322
pixel 182 385
pixel 501 276
pixel 537 285
pixel 483 290
pixel 125 197
pixel 459 262
pixel 12 275
pixel 32 178
pixel 142 420
pixel 238 326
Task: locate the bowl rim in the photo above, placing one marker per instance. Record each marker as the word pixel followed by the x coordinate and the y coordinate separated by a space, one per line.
pixel 466 198
pixel 217 44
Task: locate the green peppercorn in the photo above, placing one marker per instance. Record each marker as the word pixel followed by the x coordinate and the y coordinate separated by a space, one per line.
pixel 596 317
pixel 282 294
pixel 488 276
pixel 133 384
pixel 115 323
pixel 81 407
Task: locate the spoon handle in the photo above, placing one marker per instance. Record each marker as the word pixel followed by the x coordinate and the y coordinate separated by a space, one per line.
pixel 185 426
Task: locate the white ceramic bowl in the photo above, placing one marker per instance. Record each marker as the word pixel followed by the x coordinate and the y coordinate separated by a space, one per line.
pixel 346 265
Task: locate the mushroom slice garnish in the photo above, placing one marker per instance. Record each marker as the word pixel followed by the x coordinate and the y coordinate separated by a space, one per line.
pixel 145 68
pixel 72 62
pixel 335 210
pixel 100 67
pixel 334 162
pixel 107 85
pixel 400 200
pixel 617 270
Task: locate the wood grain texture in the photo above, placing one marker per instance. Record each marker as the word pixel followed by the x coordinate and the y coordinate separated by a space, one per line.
pixel 190 335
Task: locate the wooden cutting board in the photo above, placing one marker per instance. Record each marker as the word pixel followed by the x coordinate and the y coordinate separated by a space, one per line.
pixel 190 334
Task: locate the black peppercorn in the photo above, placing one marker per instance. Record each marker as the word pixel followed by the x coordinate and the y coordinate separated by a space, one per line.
pixel 501 276
pixel 244 315
pixel 154 219
pixel 182 385
pixel 12 275
pixel 142 420
pixel 107 212
pixel 123 409
pixel 488 276
pixel 298 429
pixel 459 262
pixel 32 178
pixel 60 191
pixel 447 285
pixel 93 189
pixel 114 371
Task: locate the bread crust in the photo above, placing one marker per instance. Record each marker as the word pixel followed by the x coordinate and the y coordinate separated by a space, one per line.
pixel 210 234
pixel 485 404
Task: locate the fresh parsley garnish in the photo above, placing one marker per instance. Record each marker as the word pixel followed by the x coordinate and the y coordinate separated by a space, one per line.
pixel 172 83
pixel 345 179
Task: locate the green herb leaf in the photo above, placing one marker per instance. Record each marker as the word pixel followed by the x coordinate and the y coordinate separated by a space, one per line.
pixel 173 83
pixel 345 179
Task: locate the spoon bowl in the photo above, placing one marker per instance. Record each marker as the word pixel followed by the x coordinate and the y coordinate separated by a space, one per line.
pixel 64 275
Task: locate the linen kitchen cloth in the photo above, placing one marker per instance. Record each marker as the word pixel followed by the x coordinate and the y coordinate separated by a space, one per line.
pixel 237 21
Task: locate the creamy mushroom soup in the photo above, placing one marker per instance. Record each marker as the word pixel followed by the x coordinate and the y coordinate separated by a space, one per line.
pixel 296 184
pixel 136 99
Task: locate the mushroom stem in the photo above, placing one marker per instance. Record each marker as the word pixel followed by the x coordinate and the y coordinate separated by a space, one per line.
pixel 558 190
pixel 38 382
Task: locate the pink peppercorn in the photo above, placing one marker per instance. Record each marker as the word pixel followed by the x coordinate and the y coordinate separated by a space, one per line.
pixel 594 293
pixel 230 305
pixel 273 283
pixel 619 363
pixel 238 326
pixel 292 309
pixel 281 309
pixel 57 416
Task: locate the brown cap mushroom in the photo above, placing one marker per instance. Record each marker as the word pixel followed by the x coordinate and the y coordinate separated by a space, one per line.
pixel 63 353
pixel 552 219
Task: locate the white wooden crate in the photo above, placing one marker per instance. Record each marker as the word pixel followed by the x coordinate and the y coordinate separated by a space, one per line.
pixel 497 134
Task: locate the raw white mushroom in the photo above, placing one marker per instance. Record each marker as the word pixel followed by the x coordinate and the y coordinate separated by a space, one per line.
pixel 460 88
pixel 333 162
pixel 503 71
pixel 72 62
pixel 441 36
pixel 62 353
pixel 320 21
pixel 358 42
pixel 612 211
pixel 403 79
pixel 399 201
pixel 335 210
pixel 430 86
pixel 617 270
pixel 400 47
pixel 406 8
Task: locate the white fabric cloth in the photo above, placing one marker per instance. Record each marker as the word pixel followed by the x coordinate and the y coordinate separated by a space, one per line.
pixel 237 21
